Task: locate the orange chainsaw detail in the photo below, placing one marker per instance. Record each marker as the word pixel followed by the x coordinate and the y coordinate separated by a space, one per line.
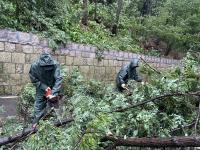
pixel 48 92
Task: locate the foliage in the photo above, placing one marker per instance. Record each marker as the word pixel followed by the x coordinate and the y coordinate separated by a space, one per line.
pixel 26 100
pixel 93 105
pixel 174 22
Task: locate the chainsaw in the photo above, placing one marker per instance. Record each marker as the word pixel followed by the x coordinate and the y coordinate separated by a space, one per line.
pixel 53 101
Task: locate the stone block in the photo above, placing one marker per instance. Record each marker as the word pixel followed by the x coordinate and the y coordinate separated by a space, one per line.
pixel 85 70
pixel 29 58
pixel 27 68
pixel 110 73
pixel 4 79
pixel 19 68
pixel 110 62
pixel 88 54
pixel 61 59
pixel 18 58
pixel 13 37
pixel 78 54
pixel 95 62
pixel 105 62
pixel 87 48
pixel 98 62
pixel 75 46
pixel 115 62
pixel 37 49
pixel 117 69
pixel 9 47
pixel 90 61
pixel 3 35
pixel 47 49
pixel 8 68
pixel 91 73
pixel 93 49
pixel 85 54
pixel 100 73
pixel 72 53
pixel 15 79
pixel 2 91
pixel 119 63
pixel 24 38
pixel 1 67
pixel 64 51
pixel 18 48
pixel 16 90
pixel 27 49
pixel 25 79
pixel 44 42
pixel 68 69
pixel 35 39
pixel 79 61
pixel 69 60
pixel 8 90
pixel 2 46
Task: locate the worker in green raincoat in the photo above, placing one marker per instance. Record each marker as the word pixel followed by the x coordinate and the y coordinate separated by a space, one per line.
pixel 45 74
pixel 127 72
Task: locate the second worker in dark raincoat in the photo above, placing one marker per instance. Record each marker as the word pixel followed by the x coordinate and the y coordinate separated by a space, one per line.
pixel 127 72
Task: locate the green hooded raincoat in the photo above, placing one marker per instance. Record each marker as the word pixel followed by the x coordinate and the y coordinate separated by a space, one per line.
pixel 44 72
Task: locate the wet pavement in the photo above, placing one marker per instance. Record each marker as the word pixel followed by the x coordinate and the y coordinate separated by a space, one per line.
pixel 9 106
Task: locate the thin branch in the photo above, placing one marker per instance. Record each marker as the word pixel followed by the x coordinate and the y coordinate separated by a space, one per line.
pixel 156 98
pixel 79 141
pixel 150 66
pixel 191 125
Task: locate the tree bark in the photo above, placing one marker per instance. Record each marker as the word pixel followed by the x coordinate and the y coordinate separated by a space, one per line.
pixel 146 9
pixel 119 9
pixel 182 141
pixel 84 19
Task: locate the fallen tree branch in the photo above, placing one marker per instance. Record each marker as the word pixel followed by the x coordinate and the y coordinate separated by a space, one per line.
pixel 150 66
pixel 191 125
pixel 197 121
pixel 156 98
pixel 181 141
pixel 29 131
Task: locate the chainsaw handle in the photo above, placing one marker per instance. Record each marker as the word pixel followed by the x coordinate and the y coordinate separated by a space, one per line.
pixel 48 92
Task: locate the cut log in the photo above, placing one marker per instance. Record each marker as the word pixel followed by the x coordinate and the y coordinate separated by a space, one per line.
pixel 179 141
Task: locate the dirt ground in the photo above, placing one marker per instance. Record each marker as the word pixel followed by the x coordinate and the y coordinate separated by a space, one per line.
pixel 9 105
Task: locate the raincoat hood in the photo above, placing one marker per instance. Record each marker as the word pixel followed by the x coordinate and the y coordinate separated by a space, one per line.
pixel 134 63
pixel 46 60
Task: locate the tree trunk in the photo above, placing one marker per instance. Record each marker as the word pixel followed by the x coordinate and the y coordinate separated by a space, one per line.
pixel 95 10
pixel 146 9
pixel 84 19
pixel 182 141
pixel 119 9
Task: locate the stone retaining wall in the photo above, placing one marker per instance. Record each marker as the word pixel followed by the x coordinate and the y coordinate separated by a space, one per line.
pixel 18 50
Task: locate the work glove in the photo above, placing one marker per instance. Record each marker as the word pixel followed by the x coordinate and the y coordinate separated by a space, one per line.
pixel 48 93
pixel 123 86
pixel 50 97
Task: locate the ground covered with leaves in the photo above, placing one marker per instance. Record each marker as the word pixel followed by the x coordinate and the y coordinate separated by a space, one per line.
pixel 165 105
